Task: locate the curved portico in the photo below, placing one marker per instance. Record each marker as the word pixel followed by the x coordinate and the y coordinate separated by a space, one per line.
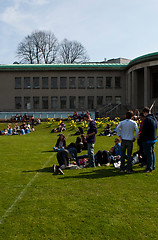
pixel 142 81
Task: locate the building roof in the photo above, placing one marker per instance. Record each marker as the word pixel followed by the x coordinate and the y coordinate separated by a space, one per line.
pixel 80 66
pixel 49 67
pixel 144 58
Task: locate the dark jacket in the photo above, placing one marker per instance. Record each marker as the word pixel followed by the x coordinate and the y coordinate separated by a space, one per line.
pixel 91 128
pixel 58 141
pixel 149 129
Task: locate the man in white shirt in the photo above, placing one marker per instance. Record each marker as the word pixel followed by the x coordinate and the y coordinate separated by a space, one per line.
pixel 128 131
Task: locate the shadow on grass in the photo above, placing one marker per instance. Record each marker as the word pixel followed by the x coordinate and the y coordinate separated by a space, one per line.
pixel 46 169
pixel 91 174
pixel 100 173
pixel 48 151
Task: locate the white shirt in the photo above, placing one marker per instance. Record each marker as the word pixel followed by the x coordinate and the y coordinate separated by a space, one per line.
pixel 126 129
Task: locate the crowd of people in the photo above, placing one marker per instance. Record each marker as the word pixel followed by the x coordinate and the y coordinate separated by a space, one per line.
pixel 79 116
pixel 61 127
pixel 23 129
pixel 25 118
pixel 121 154
pixel 108 132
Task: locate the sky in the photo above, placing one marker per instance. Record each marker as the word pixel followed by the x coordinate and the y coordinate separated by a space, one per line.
pixel 106 28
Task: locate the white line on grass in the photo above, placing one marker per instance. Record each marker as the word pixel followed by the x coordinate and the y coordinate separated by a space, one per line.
pixel 10 209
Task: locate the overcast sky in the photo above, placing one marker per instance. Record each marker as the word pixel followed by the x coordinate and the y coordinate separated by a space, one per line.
pixel 106 28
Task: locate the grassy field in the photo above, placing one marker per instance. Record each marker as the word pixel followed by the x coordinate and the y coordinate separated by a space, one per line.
pixel 98 203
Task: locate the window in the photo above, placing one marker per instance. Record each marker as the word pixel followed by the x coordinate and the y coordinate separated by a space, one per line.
pixel 36 82
pixel 72 82
pixel 27 82
pixel 118 99
pixel 81 82
pixel 117 82
pixel 45 82
pixel 99 100
pixel 91 82
pixel 100 82
pixel 17 82
pixel 63 83
pixel 44 102
pixel 108 99
pixel 90 102
pixel 108 82
pixel 63 102
pixel 35 102
pixel 54 102
pixel 72 101
pixel 81 102
pixel 54 83
pixel 18 102
pixel 27 104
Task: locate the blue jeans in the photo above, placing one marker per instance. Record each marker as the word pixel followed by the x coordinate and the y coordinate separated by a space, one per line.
pixel 91 154
pixel 150 155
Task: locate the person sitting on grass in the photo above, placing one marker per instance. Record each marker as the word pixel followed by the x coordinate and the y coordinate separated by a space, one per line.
pixel 75 116
pixel 60 144
pixel 107 131
pixel 115 154
pixel 114 132
pixel 22 130
pixel 78 132
pixel 10 131
pixel 77 144
pixel 112 156
pixel 63 157
pixel 60 128
pixel 16 129
pixel 84 141
pixel 27 130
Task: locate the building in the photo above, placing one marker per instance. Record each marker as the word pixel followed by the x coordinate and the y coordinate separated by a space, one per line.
pixel 88 86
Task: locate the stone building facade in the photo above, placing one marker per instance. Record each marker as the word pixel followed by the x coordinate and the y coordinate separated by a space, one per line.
pixel 69 87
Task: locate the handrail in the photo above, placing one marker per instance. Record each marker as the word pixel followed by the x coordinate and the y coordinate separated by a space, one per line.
pixel 113 108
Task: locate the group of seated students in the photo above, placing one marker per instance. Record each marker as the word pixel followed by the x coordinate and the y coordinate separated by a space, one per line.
pixel 80 143
pixel 20 118
pixel 25 118
pixel 61 127
pixel 23 129
pixel 108 132
pixel 78 117
pixel 103 157
pixel 66 154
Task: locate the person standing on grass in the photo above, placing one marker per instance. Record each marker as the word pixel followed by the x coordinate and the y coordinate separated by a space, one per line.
pixel 128 131
pixel 91 139
pixel 149 138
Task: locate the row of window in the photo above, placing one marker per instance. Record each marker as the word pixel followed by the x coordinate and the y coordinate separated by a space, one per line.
pixel 61 102
pixel 64 82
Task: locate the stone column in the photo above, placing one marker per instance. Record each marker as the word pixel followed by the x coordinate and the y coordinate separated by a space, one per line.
pixel 146 87
pixel 129 89
pixel 134 90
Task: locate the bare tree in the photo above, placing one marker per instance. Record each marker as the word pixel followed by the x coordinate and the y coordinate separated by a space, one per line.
pixel 39 47
pixel 72 52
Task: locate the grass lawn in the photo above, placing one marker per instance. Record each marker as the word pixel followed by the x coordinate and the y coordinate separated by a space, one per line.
pixel 97 203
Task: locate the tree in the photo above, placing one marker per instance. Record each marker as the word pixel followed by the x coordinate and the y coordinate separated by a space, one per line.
pixel 72 52
pixel 39 47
